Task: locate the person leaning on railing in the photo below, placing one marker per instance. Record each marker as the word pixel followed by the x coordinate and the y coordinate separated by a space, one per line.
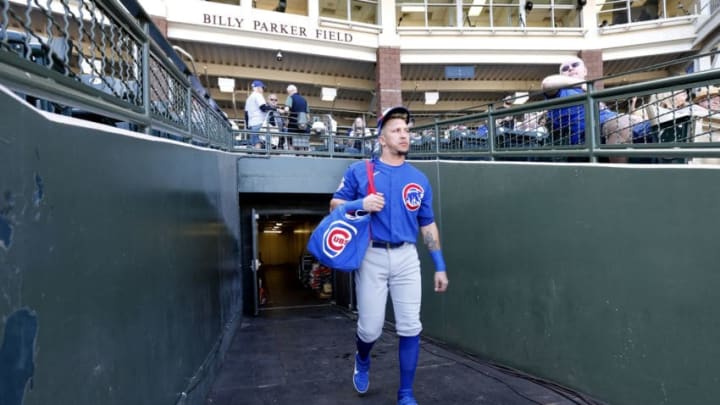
pixel 708 128
pixel 567 124
pixel 298 111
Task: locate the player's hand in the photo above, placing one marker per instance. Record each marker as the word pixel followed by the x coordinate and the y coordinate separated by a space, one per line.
pixel 441 281
pixel 374 202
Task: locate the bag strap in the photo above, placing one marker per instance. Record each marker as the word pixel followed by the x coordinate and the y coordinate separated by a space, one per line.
pixel 371 178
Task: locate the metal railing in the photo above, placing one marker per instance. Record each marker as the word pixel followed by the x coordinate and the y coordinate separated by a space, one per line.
pixel 672 120
pixel 104 61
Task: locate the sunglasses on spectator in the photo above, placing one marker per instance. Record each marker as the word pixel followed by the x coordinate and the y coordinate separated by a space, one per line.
pixel 273 99
pixel 573 65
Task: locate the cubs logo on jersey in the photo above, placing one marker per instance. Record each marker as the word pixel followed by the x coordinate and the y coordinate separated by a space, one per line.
pixel 412 196
pixel 337 236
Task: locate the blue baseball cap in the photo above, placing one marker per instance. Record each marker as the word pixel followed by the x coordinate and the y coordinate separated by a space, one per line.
pixel 393 112
pixel 257 83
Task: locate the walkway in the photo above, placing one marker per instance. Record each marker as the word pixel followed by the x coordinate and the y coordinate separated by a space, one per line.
pixel 304 356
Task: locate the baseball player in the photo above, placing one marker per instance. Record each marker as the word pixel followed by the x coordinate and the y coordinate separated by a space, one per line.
pixel 401 206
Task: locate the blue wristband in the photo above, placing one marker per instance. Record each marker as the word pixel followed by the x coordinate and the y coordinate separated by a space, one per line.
pixel 438 259
pixel 354 205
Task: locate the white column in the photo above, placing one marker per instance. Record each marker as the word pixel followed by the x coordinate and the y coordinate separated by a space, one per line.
pixel 246 5
pixel 314 9
pixel 590 24
pixel 388 20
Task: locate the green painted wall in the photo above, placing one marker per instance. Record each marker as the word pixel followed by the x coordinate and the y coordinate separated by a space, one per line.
pixel 119 263
pixel 601 278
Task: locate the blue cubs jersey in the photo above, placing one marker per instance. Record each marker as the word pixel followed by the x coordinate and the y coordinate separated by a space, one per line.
pixel 408 199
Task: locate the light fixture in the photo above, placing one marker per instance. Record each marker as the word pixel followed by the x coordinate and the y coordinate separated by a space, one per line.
pixel 431 97
pixel 279 56
pixel 412 9
pixel 476 8
pixel 521 97
pixel 227 85
pixel 271 231
pixel 328 94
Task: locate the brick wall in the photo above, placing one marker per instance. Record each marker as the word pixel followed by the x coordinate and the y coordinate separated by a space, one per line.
pixel 594 63
pixel 387 73
pixel 161 24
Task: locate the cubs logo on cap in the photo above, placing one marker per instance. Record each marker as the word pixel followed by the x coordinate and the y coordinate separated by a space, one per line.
pixel 397 112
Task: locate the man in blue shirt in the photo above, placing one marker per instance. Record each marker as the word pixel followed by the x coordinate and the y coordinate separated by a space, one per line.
pixel 401 206
pixel 298 111
pixel 569 122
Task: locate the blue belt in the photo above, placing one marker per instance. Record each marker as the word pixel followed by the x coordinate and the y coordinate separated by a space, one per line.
pixel 386 245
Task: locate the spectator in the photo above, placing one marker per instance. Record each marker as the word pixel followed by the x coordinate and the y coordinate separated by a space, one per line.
pixel 569 122
pixel 275 118
pixel 506 123
pixel 708 98
pixel 255 112
pixel 358 129
pixel 670 106
pixel 707 104
pixel 533 122
pixel 297 109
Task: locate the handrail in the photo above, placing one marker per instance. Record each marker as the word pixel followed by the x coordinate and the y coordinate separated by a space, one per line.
pixel 595 145
pixel 135 79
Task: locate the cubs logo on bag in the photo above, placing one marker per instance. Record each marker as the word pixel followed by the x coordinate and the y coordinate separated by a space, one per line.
pixel 341 239
pixel 337 237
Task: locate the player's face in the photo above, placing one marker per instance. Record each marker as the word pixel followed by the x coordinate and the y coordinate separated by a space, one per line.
pixel 396 136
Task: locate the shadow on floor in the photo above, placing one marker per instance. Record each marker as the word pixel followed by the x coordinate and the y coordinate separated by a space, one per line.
pixel 305 356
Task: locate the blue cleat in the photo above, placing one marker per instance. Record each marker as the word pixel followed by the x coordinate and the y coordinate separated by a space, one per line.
pixel 361 375
pixel 407 400
pixel 405 397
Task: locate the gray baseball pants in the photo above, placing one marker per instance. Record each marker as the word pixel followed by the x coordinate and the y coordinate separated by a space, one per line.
pixel 394 270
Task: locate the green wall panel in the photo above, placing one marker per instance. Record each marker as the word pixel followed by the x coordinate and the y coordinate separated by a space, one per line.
pixel 125 250
pixel 599 277
pixel 124 253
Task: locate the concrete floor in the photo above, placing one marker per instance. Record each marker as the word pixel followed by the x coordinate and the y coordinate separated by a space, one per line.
pixel 304 355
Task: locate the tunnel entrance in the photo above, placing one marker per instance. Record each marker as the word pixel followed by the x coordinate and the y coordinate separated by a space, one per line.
pixel 281 273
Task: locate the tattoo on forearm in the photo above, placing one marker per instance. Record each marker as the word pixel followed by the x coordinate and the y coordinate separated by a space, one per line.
pixel 430 241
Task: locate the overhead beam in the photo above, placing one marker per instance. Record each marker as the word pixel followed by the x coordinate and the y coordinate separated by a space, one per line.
pixel 636 77
pixel 470 85
pixel 314 102
pixel 285 77
pixel 367 85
